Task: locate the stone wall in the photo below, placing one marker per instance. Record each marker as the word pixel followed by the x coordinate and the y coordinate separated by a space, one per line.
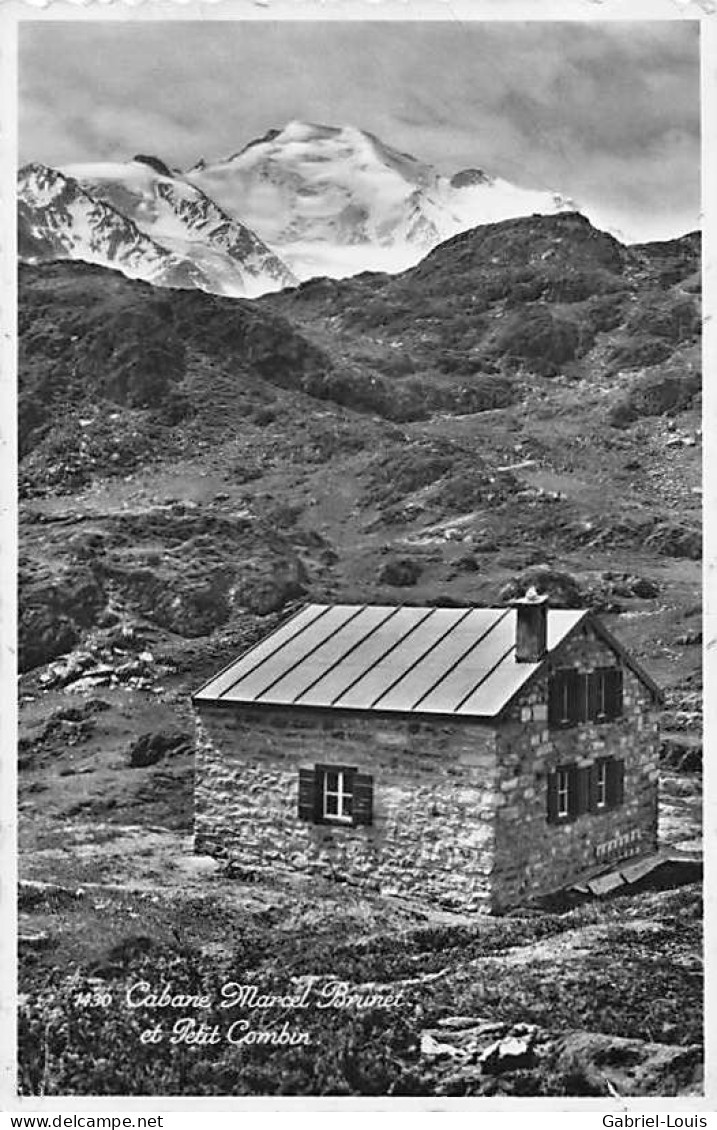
pixel 435 793
pixel 533 857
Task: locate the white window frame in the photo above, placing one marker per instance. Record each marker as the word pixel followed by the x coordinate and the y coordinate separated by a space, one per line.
pixel 563 794
pixel 342 791
pixel 601 785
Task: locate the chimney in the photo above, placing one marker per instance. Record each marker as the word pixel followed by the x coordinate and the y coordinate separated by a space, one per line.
pixel 531 633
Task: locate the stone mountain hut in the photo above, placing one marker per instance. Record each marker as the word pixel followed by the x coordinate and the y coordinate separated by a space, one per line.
pixel 473 758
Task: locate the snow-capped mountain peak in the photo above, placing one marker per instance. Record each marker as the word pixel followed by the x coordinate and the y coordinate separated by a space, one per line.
pixel 337 199
pixel 303 199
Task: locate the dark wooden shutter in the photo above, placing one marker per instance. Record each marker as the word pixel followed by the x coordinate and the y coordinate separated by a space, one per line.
pixel 310 795
pixel 583 708
pixel 593 787
pixel 576 699
pixel 561 681
pixel 555 687
pixel 577 791
pixel 615 783
pixel 552 798
pixel 613 691
pixel 579 797
pixel 363 798
pixel 594 695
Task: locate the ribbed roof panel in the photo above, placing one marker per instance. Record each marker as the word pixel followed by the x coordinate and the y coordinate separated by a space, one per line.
pixel 380 657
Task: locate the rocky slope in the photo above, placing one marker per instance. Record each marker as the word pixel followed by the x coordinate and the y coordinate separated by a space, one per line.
pixel 541 295
pixel 144 220
pixel 554 390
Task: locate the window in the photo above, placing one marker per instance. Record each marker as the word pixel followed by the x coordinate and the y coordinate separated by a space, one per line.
pixel 574 696
pixel 563 789
pixel 601 783
pixel 604 694
pixel 335 794
pixel 607 784
pixel 574 790
pixel 565 794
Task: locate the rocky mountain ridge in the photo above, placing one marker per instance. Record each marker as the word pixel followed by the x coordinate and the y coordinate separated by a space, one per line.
pixel 145 221
pixel 58 220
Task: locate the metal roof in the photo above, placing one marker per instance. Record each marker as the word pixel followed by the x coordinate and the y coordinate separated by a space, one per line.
pixel 456 661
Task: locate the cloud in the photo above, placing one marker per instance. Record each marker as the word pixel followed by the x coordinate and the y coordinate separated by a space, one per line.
pixel 607 113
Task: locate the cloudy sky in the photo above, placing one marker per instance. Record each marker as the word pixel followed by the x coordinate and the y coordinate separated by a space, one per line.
pixel 607 113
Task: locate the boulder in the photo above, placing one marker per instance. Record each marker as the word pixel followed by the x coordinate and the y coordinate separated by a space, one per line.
pixel 657 392
pixel 401 572
pixel 601 1065
pixel 55 607
pixel 148 749
pixel 432 1048
pixel 512 1053
pixel 673 540
pixel 627 585
pixel 38 941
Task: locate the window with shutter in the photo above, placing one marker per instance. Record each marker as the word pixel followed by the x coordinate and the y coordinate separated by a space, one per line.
pixel 593 697
pixel 335 794
pixel 604 694
pixel 568 793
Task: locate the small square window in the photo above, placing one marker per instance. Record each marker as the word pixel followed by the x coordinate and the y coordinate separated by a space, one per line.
pixel 337 795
